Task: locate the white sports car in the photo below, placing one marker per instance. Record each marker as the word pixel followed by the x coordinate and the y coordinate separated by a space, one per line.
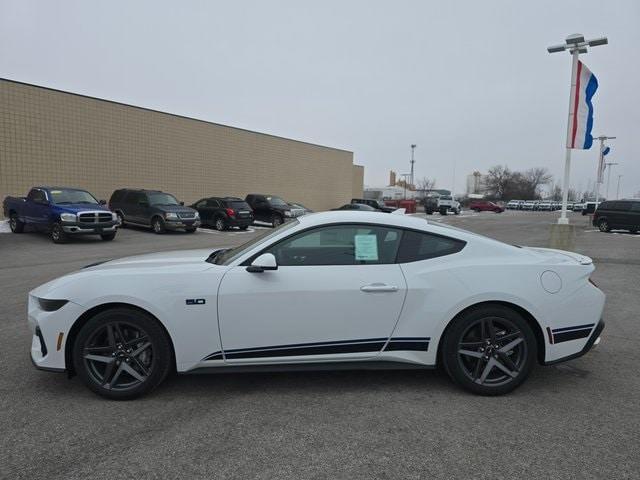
pixel 323 291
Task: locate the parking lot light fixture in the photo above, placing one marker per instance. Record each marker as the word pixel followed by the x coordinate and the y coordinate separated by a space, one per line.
pixel 575 44
pixel 600 171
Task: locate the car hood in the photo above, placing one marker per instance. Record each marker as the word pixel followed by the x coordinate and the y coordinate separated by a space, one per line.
pixel 175 209
pixel 79 207
pixel 172 263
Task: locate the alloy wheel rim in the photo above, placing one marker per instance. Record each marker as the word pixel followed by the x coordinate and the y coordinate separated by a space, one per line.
pixel 603 225
pixel 12 223
pixel 492 351
pixel 156 225
pixel 55 233
pixel 219 224
pixel 119 356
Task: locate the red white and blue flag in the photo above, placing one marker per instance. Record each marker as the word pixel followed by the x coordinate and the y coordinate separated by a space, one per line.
pixel 583 87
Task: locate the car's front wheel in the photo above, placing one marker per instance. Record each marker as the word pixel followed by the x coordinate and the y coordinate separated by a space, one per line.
pixel 158 225
pixel 122 353
pixel 58 235
pixel 603 225
pixel 489 350
pixel 276 221
pixel 16 225
pixel 107 237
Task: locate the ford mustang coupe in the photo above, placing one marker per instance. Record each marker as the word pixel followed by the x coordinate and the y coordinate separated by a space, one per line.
pixel 323 291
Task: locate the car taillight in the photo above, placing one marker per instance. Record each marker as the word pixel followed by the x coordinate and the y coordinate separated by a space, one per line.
pixel 231 212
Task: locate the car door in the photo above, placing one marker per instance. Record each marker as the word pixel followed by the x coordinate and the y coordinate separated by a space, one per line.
pixel 133 210
pixel 337 293
pixel 37 208
pixel 261 209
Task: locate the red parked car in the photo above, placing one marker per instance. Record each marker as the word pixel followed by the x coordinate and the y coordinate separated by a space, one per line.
pixel 485 206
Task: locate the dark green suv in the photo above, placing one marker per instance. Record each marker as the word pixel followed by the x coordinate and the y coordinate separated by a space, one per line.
pixel 153 208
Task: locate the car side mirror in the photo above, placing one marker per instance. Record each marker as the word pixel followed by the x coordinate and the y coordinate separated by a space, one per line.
pixel 103 202
pixel 266 261
pixel 182 203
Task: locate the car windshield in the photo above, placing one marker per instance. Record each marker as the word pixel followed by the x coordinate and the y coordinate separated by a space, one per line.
pixel 162 199
pixel 237 205
pixel 226 256
pixel 62 197
pixel 277 201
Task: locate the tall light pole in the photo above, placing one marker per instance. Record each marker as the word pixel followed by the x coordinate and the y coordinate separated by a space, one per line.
pixel 608 164
pixel 618 189
pixel 575 44
pixel 602 139
pixel 413 147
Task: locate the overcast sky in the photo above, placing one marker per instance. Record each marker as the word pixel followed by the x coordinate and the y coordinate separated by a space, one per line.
pixel 470 82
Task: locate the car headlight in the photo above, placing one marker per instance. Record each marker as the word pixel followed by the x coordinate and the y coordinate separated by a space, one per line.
pixel 197 215
pixel 287 213
pixel 114 217
pixel 171 216
pixel 68 217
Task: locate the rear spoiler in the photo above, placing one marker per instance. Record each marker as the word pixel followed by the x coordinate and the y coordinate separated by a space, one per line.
pixel 581 259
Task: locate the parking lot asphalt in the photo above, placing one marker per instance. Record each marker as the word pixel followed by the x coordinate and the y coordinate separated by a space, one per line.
pixel 576 420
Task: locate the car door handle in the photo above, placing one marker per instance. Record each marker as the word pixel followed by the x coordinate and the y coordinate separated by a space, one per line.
pixel 378 287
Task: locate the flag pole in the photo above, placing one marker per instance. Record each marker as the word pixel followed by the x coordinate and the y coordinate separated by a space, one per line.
pixel 563 220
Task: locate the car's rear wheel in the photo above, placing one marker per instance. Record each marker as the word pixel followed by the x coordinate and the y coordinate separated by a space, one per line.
pixel 489 350
pixel 603 225
pixel 16 225
pixel 158 225
pixel 57 234
pixel 122 353
pixel 243 227
pixel 220 224
pixel 276 221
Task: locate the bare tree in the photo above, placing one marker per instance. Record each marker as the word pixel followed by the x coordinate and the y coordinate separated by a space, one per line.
pixel 425 183
pixel 496 179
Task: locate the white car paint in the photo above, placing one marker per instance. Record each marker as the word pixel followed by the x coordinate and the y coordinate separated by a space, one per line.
pixel 324 304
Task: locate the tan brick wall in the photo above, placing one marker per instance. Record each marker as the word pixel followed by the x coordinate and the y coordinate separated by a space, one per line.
pixel 357 182
pixel 49 137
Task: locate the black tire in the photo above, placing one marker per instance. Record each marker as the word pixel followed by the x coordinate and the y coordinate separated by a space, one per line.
pixel 429 212
pixel 220 224
pixel 190 230
pixel 457 211
pixel 443 211
pixel 633 231
pixel 57 234
pixel 243 227
pixel 107 237
pixel 16 225
pixel 116 335
pixel 497 210
pixel 120 216
pixel 486 335
pixel 157 224
pixel 603 225
pixel 276 220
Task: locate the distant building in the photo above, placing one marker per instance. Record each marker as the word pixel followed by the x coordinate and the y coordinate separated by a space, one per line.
pixel 476 183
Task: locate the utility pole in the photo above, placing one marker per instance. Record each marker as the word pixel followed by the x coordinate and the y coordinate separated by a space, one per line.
pixel 618 188
pixel 575 44
pixel 413 147
pixel 602 139
pixel 608 164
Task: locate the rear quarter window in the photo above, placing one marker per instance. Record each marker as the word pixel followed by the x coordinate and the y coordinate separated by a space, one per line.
pixel 417 246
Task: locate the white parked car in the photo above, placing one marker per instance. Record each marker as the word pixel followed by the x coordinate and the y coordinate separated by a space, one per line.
pixel 327 290
pixel 447 203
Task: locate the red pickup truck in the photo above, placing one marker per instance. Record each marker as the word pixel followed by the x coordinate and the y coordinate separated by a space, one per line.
pixel 485 206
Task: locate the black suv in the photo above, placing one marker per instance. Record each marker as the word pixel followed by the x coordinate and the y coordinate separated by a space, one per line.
pixel 618 214
pixel 272 209
pixel 153 208
pixel 377 204
pixel 225 212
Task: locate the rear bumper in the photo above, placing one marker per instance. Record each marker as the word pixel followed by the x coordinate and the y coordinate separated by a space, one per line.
pixel 594 339
pixel 239 222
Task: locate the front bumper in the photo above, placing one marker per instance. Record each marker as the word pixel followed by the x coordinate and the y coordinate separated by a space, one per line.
pixel 179 224
pixel 594 340
pixel 79 228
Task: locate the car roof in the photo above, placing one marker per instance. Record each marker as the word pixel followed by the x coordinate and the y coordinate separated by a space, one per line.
pixel 42 187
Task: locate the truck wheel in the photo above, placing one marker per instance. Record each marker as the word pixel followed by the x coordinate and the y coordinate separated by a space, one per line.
pixel 16 225
pixel 276 221
pixel 57 234
pixel 456 211
pixel 107 237
pixel 158 225
pixel 443 211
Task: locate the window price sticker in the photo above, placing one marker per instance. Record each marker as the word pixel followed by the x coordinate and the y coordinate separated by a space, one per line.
pixel 366 247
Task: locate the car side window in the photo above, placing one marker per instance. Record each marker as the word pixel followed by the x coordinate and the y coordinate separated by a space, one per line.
pixel 635 207
pixel 418 246
pixel 339 245
pixel 624 206
pixel 201 204
pixel 37 196
pixel 212 203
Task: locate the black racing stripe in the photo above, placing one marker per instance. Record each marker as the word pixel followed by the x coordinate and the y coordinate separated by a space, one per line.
pixel 577 327
pixel 214 356
pixel 395 339
pixel 307 345
pixel 307 350
pixel 573 335
pixel 421 346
